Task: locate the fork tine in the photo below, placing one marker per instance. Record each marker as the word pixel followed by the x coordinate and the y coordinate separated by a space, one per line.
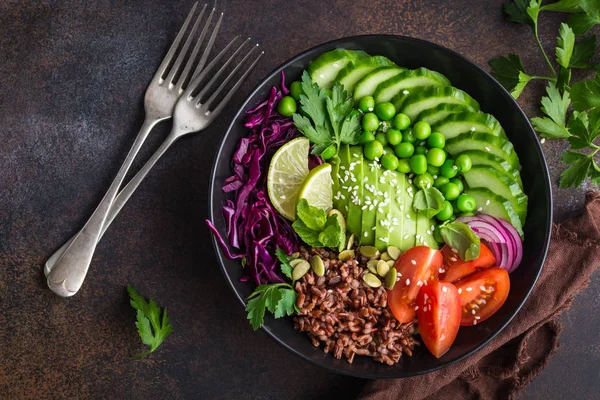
pixel 214 113
pixel 177 64
pixel 190 63
pixel 208 48
pixel 215 77
pixel 165 63
pixel 212 98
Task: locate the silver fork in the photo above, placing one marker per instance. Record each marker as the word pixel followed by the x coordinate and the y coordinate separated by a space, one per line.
pixel 191 114
pixel 159 102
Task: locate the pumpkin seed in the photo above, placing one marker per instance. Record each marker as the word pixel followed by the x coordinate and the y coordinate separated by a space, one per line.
pixel 317 265
pixel 394 252
pixel 369 251
pixel 391 263
pixel 295 262
pixel 372 265
pixel 300 270
pixel 382 268
pixel 295 255
pixel 390 278
pixel 341 218
pixel 385 256
pixel 372 280
pixel 350 242
pixel 345 255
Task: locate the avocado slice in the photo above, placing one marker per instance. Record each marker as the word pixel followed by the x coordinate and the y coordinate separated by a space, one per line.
pixel 371 171
pixel 409 231
pixel 384 217
pixel 397 185
pixel 341 195
pixel 355 192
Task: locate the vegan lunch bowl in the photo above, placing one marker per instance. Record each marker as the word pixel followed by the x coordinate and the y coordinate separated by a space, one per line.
pixel 381 206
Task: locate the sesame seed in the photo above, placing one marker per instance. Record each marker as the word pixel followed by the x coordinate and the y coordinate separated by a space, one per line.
pixel 469 289
pixel 399 274
pixel 477 317
pixel 543 141
pixel 473 312
pixel 366 234
pixel 480 209
pixel 482 288
pixel 435 177
pixel 454 167
pixel 472 129
pixel 407 216
pixel 428 232
pixel 407 281
pixel 441 270
pixel 444 289
pixel 454 250
pixel 282 197
pixel 487 148
pixel 425 297
pixel 413 262
pixel 474 322
pixel 454 259
pixel 406 237
pixel 459 290
pixel 419 283
pixel 405 91
pixel 418 237
pixel 487 203
pixel 416 308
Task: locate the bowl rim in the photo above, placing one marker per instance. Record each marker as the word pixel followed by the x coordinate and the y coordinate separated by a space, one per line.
pixel 503 91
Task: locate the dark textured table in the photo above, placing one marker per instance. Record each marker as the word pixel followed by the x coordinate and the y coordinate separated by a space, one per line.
pixel 72 78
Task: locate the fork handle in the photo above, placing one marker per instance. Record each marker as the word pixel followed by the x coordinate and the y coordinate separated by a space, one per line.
pixel 69 271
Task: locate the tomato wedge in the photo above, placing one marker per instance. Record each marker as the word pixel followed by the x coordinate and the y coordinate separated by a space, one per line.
pixel 417 267
pixel 438 314
pixel 455 268
pixel 482 294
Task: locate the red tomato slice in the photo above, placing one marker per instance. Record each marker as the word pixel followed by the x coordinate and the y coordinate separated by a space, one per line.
pixel 417 267
pixel 455 268
pixel 438 314
pixel 482 294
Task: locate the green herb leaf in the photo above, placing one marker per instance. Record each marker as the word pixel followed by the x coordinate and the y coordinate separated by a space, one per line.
pixel 428 202
pixel 284 259
pixel 507 69
pixel 523 81
pixel 577 172
pixel 581 23
pixel 517 12
pixel 312 103
pixel 534 11
pixel 153 323
pixel 583 51
pixel 563 79
pixel 286 304
pixel 460 237
pixel 568 6
pixel 274 297
pixel 555 106
pixel 586 94
pixel 351 128
pixel 579 126
pixel 308 236
pixel 334 235
pixel 313 217
pixel 594 173
pixel 549 129
pixel 565 42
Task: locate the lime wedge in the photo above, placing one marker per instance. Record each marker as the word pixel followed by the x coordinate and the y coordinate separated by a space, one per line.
pixel 317 188
pixel 287 171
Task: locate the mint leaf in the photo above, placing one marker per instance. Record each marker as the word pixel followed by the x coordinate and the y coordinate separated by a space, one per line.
pixel 428 202
pixel 308 236
pixel 313 217
pixel 286 304
pixel 576 173
pixel 460 237
pixel 153 323
pixel 334 235
pixel 586 94
pixel 565 42
pixel 583 51
pixel 506 70
pixel 568 6
pixel 523 81
pixel 517 12
pixel 284 259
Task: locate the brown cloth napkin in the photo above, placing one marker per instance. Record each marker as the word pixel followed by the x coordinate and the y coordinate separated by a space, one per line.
pixel 520 352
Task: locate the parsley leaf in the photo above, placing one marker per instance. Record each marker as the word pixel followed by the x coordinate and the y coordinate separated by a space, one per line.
pixel 576 173
pixel 586 94
pixel 287 303
pixel 428 202
pixel 507 70
pixel 583 51
pixel 554 106
pixel 278 298
pixel 517 12
pixel 565 42
pixel 284 259
pixel 153 324
pixel 568 6
pixel 459 236
pixel 583 22
pixel 523 81
pixel 351 128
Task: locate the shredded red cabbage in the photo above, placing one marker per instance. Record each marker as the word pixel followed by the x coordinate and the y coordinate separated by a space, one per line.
pixel 253 226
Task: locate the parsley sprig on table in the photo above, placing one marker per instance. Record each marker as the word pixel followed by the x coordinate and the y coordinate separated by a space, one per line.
pixel 153 324
pixel 572 111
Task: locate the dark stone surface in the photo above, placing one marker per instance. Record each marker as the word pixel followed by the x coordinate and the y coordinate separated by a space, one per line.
pixel 72 78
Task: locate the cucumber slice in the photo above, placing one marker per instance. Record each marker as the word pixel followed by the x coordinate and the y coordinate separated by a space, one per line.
pixel 496 206
pixel 325 68
pixel 468 121
pixel 494 145
pixel 438 113
pixel 433 96
pixel 485 158
pixel 366 85
pixel 407 81
pixel 500 183
pixel 355 70
pixel 355 190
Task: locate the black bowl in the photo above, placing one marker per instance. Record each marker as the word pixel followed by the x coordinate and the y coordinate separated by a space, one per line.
pixel 466 75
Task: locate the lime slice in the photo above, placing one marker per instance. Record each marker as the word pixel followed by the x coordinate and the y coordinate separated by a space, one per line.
pixel 287 171
pixel 317 188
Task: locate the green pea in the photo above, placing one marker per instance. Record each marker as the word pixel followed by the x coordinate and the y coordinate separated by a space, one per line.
pixel 286 106
pixel 403 166
pixel 425 180
pixel 328 152
pixel 373 150
pixel 385 111
pixel 448 169
pixel 433 170
pixel 450 191
pixel 408 137
pixel 440 181
pixel 421 130
pixel 458 183
pixel 418 164
pixel 421 150
pixel 436 157
pixel 466 203
pixel 370 122
pixel 446 213
pixel 296 90
pixel 404 150
pixel 401 122
pixel 437 235
pixel 388 150
pixel 436 140
pixel 455 208
pixel 380 137
pixel 389 162
pixel 366 137
pixel 464 163
pixel 366 104
pixel 394 136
